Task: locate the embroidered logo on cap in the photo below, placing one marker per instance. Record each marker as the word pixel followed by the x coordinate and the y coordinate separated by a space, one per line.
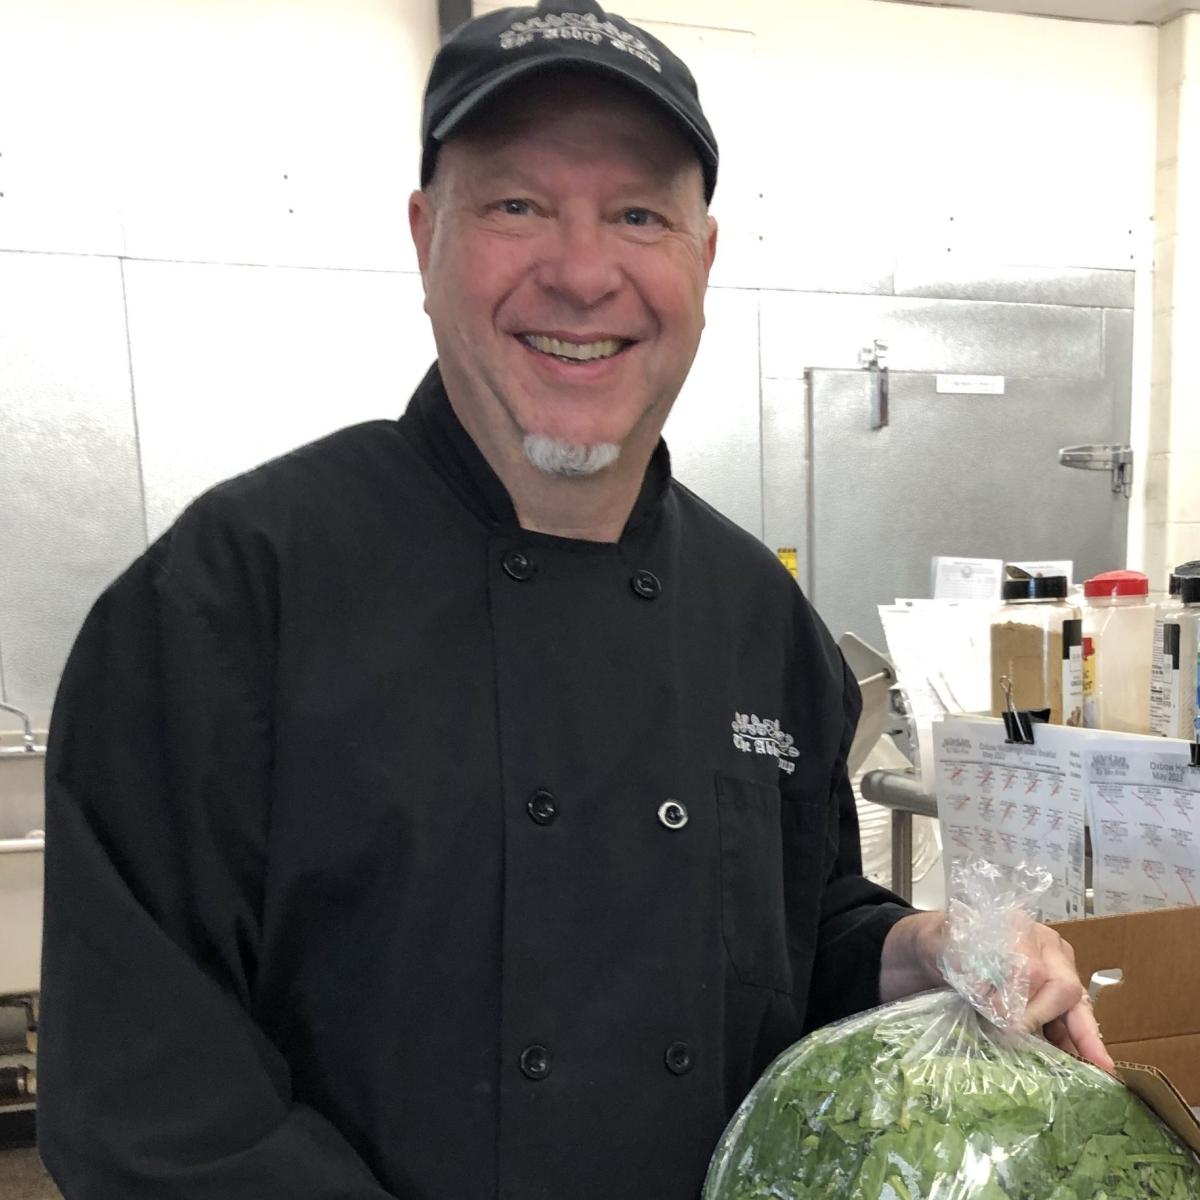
pixel 763 735
pixel 577 27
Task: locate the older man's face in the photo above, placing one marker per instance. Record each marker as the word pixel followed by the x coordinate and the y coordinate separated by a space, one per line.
pixel 565 249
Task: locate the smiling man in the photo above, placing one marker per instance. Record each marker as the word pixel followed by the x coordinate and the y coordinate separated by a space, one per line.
pixel 565 245
pixel 456 808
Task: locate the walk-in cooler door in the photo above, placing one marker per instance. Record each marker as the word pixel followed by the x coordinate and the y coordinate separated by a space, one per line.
pixel 951 474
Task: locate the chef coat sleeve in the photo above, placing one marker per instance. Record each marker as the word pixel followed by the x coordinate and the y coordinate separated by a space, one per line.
pixel 856 914
pixel 155 1080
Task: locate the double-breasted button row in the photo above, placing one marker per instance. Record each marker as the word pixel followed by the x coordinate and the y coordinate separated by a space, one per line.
pixel 518 565
pixel 542 807
pixel 536 1060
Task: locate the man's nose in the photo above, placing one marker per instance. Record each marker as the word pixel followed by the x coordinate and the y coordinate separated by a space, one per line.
pixel 580 264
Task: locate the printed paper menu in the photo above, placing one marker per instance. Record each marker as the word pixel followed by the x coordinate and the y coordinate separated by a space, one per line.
pixel 1014 804
pixel 1145 824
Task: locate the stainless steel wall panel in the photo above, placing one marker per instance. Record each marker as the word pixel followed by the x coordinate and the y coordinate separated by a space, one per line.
pixel 785 468
pixel 1118 363
pixel 234 365
pixel 935 336
pixel 1118 373
pixel 960 475
pixel 714 431
pixel 1074 286
pixel 70 497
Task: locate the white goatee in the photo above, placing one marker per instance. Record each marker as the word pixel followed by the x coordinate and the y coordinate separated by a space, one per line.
pixel 557 457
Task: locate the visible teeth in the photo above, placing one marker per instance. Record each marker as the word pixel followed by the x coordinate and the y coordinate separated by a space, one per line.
pixel 576 351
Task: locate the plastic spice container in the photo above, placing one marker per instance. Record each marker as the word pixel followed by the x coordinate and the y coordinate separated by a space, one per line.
pixel 1118 637
pixel 1182 572
pixel 1037 643
pixel 1177 708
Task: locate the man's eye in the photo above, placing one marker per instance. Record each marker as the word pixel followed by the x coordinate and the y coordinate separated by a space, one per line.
pixel 514 208
pixel 640 218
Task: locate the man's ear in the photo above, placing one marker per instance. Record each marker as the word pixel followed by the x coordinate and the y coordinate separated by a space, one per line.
pixel 710 244
pixel 420 224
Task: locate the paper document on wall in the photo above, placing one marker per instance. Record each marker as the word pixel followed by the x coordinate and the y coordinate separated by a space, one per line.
pixel 967 578
pixel 1014 804
pixel 1145 824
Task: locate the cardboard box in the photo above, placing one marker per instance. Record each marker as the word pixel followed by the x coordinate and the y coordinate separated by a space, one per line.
pixel 1150 1020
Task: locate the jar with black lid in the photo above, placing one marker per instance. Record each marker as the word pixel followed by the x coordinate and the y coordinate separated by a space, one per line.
pixel 1037 645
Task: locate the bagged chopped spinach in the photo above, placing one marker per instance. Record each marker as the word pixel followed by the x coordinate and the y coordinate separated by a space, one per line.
pixel 928 1099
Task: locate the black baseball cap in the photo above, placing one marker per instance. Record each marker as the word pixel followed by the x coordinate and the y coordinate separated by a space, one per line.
pixel 484 56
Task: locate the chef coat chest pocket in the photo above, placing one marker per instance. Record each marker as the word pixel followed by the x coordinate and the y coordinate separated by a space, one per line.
pixel 752 886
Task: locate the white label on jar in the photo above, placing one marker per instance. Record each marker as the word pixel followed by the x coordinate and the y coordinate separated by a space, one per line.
pixel 1195 692
pixel 1091 705
pixel 1176 720
pixel 1160 683
pixel 1190 689
pixel 1072 673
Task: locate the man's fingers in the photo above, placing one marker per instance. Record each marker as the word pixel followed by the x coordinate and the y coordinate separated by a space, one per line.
pixel 1076 1032
pixel 1057 996
pixel 1056 1034
pixel 1058 1005
pixel 1085 1033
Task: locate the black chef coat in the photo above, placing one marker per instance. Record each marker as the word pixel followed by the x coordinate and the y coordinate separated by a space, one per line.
pixel 393 850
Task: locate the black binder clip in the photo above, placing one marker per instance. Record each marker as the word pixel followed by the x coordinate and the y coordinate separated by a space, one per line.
pixel 1018 724
pixel 1194 749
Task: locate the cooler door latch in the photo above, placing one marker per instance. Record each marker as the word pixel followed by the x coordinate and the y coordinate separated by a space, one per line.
pixel 1115 459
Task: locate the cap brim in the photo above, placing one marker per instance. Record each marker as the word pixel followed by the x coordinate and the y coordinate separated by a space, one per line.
pixel 469 105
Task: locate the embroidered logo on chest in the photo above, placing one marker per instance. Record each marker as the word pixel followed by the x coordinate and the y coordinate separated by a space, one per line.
pixel 763 735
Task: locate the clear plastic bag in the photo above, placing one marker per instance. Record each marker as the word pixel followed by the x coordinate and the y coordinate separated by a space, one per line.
pixel 931 1099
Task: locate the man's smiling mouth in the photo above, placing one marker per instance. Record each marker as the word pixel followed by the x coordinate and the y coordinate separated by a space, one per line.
pixel 574 352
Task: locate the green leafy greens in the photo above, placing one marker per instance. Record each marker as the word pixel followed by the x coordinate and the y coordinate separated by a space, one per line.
pixel 924 1100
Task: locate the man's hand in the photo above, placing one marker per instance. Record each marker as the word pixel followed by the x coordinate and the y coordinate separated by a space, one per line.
pixel 1058 1007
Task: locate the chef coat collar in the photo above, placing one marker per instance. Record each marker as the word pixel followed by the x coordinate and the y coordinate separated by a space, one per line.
pixel 432 421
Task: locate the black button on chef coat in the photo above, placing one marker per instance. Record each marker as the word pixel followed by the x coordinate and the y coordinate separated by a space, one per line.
pixel 542 807
pixel 535 1062
pixel 678 1058
pixel 672 814
pixel 646 584
pixel 518 565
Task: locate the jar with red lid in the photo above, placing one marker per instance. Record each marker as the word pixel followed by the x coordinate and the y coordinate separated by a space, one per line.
pixel 1118 647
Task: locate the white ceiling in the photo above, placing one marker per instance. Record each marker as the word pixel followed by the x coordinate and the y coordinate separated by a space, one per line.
pixel 1124 12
